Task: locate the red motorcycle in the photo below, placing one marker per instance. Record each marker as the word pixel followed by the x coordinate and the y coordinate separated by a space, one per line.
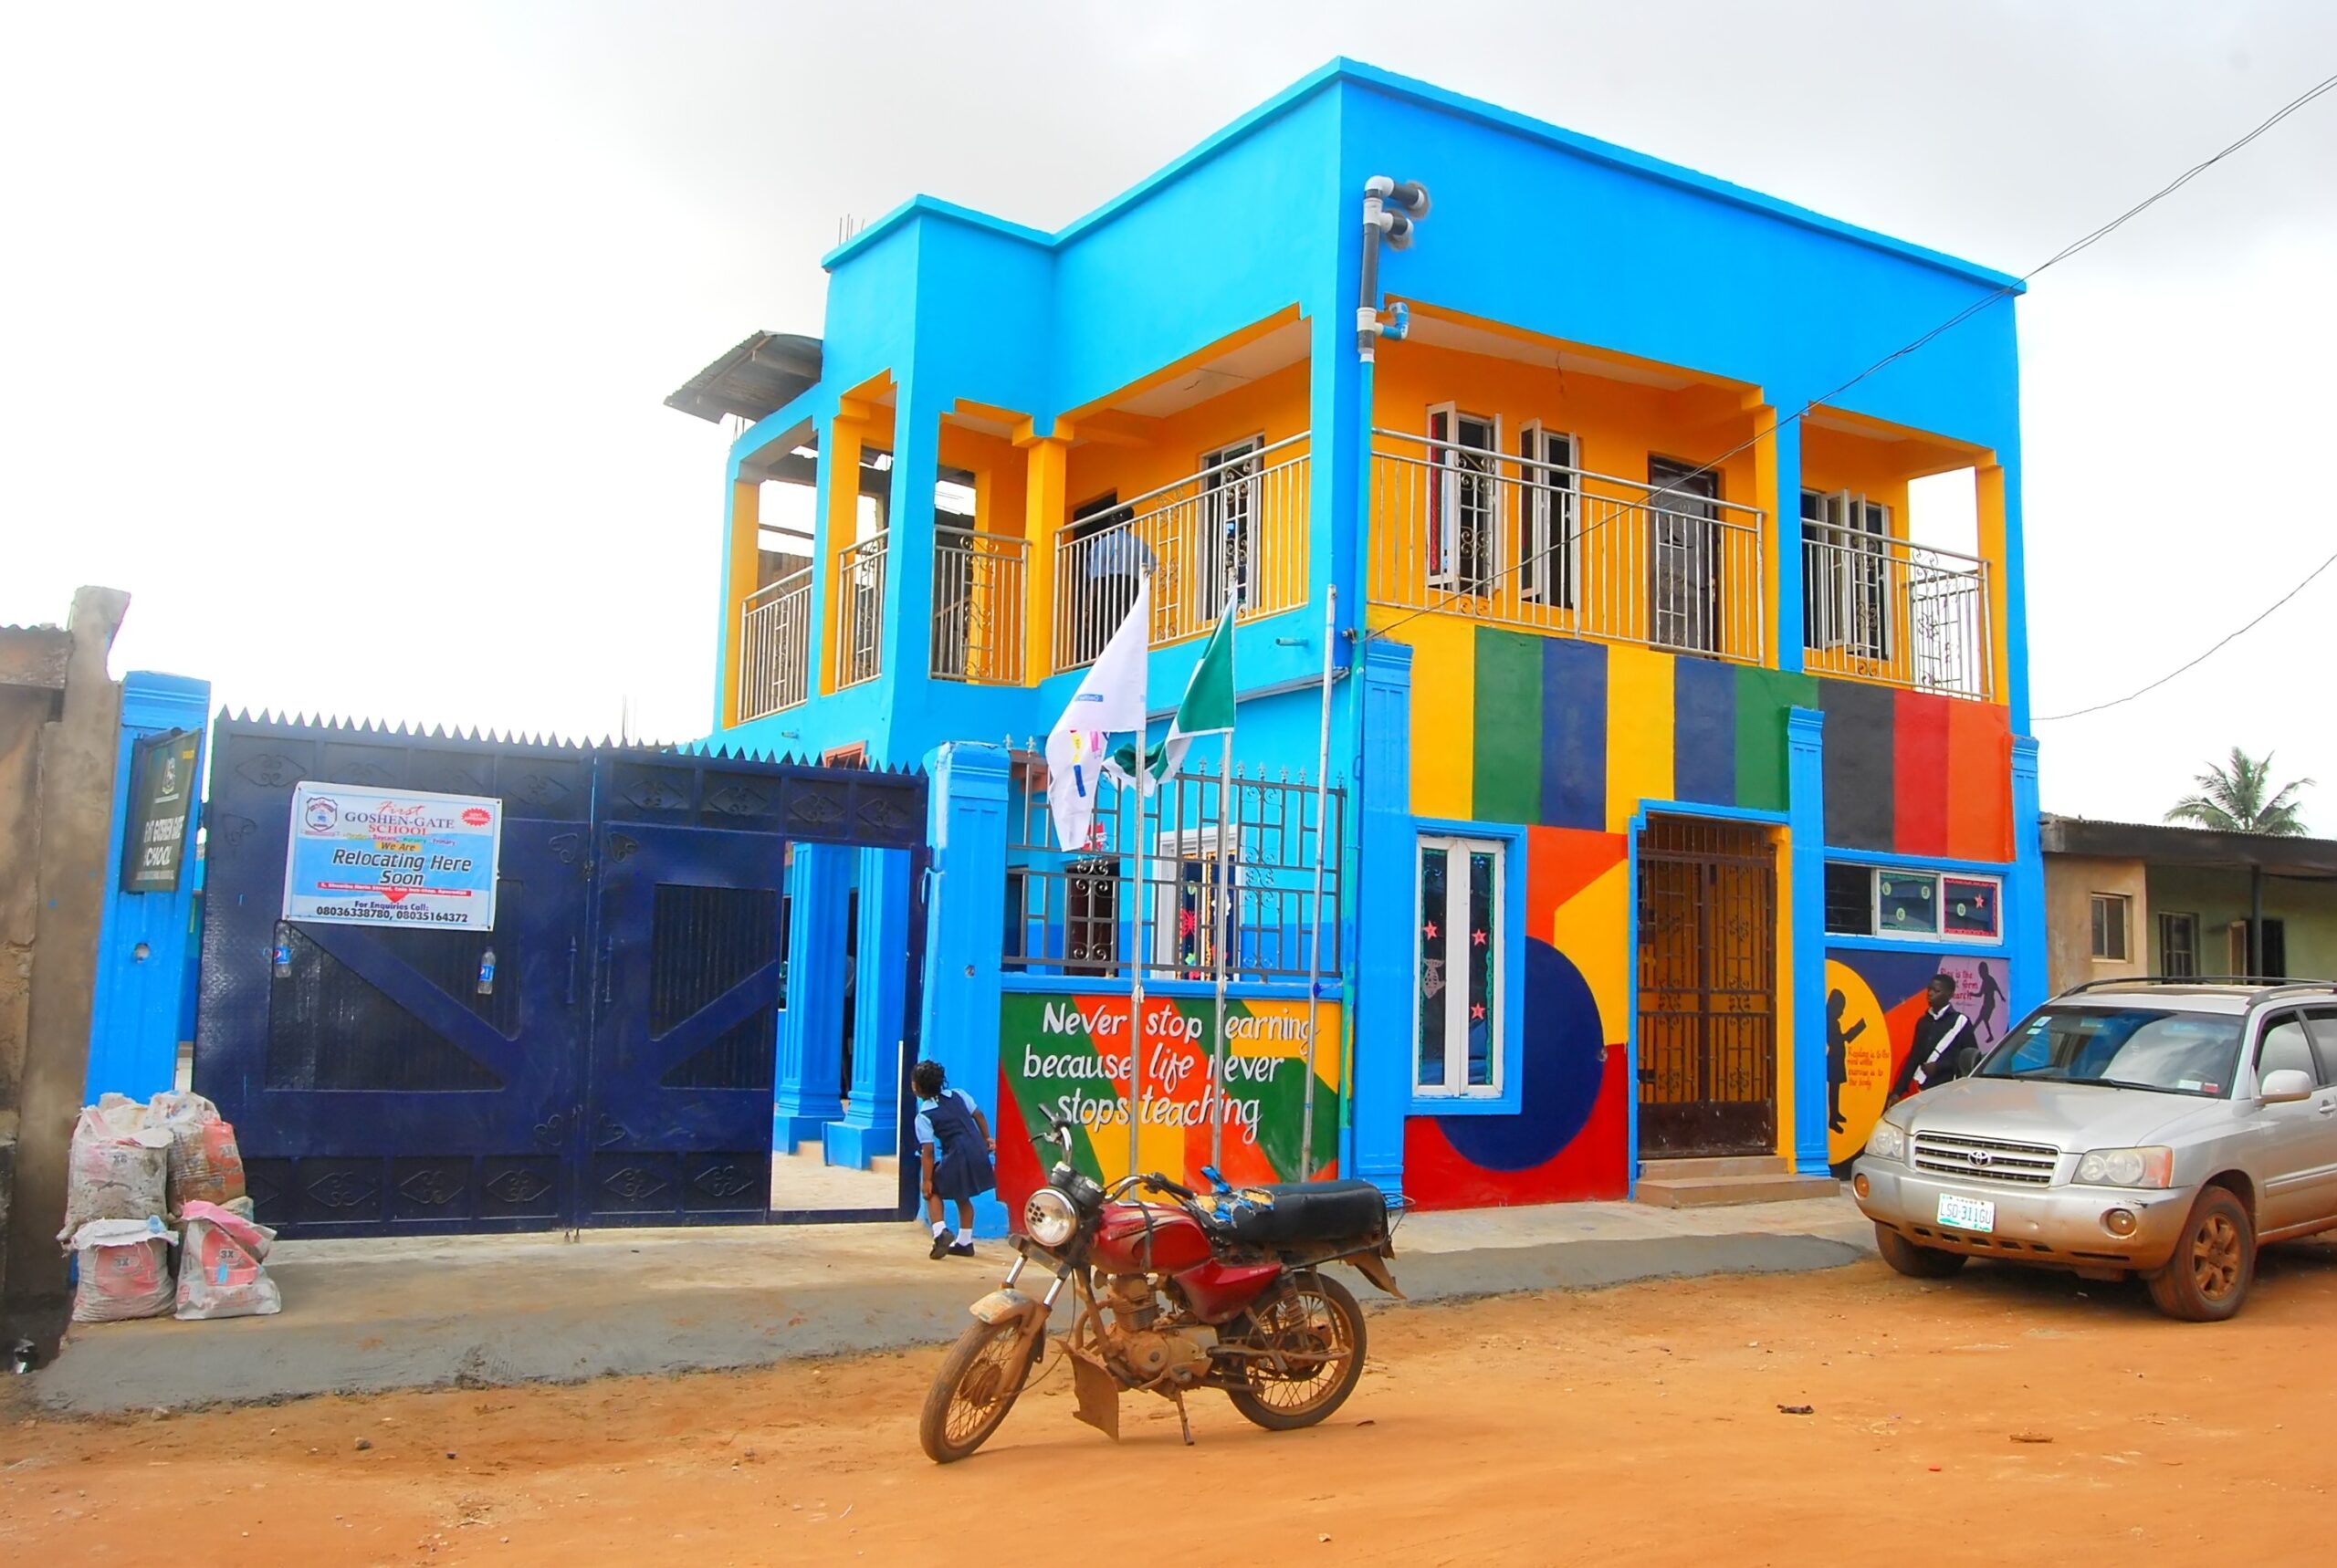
pixel 1221 1290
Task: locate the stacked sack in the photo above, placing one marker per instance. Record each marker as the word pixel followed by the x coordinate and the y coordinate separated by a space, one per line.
pixel 134 1167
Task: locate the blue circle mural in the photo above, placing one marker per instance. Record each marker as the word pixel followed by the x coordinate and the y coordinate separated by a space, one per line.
pixel 1560 1054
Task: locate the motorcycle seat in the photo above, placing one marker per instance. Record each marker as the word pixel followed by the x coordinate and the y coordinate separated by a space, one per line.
pixel 1307 1211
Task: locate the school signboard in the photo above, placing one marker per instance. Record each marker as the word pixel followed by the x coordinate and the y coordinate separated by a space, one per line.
pixel 161 802
pixel 363 856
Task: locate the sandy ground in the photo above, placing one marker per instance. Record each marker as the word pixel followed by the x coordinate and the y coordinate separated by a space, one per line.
pixel 1995 1414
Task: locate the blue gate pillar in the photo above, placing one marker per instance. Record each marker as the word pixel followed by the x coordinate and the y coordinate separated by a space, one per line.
pixel 880 987
pixel 811 1026
pixel 145 947
pixel 1383 976
pixel 1806 821
pixel 965 927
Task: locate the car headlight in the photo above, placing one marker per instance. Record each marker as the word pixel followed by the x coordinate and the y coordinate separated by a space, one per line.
pixel 2153 1166
pixel 1887 1142
pixel 1049 1219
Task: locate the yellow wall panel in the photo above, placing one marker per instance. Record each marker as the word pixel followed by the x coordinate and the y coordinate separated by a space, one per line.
pixel 1639 732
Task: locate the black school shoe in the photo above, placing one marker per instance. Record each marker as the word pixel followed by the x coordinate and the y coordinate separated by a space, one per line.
pixel 962 1249
pixel 940 1246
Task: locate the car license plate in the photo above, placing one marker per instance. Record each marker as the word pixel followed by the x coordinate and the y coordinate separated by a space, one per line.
pixel 1966 1213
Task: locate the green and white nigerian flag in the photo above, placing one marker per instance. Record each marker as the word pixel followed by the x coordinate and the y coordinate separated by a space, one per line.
pixel 1208 707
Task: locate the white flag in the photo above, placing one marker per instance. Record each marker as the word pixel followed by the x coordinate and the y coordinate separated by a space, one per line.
pixel 1108 703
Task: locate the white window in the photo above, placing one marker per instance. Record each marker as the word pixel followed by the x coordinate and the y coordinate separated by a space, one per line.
pixel 1463 504
pixel 1846 598
pixel 2178 945
pixel 1197 909
pixel 1228 524
pixel 1548 545
pixel 1457 944
pixel 2111 913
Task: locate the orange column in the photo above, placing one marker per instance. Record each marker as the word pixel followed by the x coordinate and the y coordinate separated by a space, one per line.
pixel 1046 474
pixel 742 567
pixel 1990 485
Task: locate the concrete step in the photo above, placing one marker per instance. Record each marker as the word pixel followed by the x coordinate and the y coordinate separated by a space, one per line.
pixel 1733 1166
pixel 1712 1192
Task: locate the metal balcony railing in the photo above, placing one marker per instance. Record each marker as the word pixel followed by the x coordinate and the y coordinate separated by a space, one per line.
pixel 978 625
pixel 1534 544
pixel 1884 610
pixel 775 647
pixel 859 611
pixel 1240 524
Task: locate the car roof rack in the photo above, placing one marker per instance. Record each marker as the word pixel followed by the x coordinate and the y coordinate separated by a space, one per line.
pixel 2267 983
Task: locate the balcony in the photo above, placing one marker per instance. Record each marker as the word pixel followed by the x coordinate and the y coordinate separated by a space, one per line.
pixel 1471 531
pixel 978 617
pixel 1237 525
pixel 775 647
pixel 1881 608
pixel 859 615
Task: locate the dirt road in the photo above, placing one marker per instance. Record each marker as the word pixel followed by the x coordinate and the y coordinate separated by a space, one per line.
pixel 1999 1414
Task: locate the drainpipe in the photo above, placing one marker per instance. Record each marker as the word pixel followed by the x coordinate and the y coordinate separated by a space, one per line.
pixel 1391 209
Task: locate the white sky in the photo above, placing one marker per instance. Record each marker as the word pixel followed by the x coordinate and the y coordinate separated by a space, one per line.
pixel 293 299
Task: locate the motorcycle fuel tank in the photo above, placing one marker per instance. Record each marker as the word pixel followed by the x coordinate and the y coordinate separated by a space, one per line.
pixel 1148 1239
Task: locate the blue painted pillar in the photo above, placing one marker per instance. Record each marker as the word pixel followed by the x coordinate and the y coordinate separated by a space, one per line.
pixel 880 989
pixel 145 942
pixel 1384 978
pixel 2025 908
pixel 1785 462
pixel 811 1028
pixel 965 928
pixel 1805 819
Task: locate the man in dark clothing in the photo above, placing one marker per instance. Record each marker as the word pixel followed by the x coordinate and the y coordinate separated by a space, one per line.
pixel 1943 1044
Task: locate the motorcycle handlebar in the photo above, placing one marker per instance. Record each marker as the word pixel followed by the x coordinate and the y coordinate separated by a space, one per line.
pixel 1156 1180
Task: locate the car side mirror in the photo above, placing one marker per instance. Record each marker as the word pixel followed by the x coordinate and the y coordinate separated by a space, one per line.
pixel 2285 1086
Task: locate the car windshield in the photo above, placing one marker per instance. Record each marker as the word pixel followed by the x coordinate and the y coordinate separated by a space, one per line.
pixel 2124 1047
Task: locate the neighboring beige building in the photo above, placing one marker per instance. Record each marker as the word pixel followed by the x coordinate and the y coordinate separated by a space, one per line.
pixel 2140 898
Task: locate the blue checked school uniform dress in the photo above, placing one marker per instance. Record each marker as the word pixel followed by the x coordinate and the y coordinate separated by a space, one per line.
pixel 960 1160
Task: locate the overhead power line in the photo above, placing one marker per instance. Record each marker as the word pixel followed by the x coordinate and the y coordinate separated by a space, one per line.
pixel 2083 242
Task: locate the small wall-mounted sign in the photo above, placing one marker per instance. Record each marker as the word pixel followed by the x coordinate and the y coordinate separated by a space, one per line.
pixel 162 791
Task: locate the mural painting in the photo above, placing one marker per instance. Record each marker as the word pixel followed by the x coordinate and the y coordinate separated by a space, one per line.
pixel 1067 1055
pixel 1872 1003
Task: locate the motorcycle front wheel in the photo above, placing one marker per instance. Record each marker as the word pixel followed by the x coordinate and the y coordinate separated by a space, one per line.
pixel 1317 1325
pixel 978 1382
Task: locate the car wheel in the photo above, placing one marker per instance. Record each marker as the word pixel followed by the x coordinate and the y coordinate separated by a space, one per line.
pixel 2214 1261
pixel 1915 1262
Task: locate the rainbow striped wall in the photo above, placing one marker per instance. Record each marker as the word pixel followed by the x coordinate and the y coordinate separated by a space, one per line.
pixel 1575 739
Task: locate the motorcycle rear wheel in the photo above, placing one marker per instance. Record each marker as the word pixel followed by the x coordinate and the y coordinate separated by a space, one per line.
pixel 978 1382
pixel 1320 1316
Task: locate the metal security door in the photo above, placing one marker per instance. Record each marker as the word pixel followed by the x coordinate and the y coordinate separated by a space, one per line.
pixel 376 1088
pixel 678 1110
pixel 1707 989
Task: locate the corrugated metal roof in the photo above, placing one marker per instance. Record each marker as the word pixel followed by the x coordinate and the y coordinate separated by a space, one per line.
pixel 761 375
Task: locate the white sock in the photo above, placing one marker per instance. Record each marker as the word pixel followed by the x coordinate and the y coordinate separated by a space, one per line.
pixel 940 1229
pixel 966 1236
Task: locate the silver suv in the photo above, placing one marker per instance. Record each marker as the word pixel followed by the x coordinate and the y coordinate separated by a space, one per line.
pixel 2159 1127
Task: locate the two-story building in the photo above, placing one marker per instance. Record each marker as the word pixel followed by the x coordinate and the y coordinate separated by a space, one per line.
pixel 1670 763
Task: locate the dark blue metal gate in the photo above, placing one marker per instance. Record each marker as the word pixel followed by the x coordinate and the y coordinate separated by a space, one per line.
pixel 620 1070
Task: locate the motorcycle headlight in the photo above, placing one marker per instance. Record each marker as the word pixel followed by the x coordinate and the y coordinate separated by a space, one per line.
pixel 1049 1219
pixel 1887 1142
pixel 2151 1168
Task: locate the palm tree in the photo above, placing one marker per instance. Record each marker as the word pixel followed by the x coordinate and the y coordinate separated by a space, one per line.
pixel 2239 798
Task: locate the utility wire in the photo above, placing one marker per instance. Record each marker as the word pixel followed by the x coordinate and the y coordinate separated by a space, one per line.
pixel 2082 243
pixel 2220 644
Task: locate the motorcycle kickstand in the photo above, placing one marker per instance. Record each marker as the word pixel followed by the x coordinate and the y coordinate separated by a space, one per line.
pixel 1184 1420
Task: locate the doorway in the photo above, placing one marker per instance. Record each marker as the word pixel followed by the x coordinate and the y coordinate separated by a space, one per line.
pixel 1683 557
pixel 1707 989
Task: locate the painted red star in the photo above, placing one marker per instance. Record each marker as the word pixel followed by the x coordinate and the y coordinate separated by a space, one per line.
pixel 1477 938
pixel 1477 1011
pixel 1429 930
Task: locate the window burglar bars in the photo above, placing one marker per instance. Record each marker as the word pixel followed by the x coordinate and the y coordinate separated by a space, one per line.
pixel 1072 913
pixel 1885 609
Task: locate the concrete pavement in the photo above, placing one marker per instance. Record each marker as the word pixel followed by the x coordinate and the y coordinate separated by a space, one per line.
pixel 482 1310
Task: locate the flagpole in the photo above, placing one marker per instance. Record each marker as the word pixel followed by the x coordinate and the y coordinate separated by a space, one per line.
pixel 1217 917
pixel 1135 986
pixel 1314 947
